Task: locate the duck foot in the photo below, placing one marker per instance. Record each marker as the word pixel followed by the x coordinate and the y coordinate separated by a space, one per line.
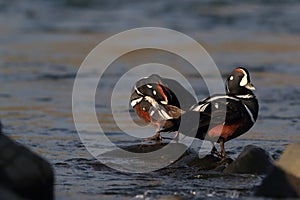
pixel 156 137
pixel 175 138
pixel 226 161
pixel 221 155
pixel 153 140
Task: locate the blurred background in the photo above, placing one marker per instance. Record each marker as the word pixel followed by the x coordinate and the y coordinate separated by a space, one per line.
pixel 43 42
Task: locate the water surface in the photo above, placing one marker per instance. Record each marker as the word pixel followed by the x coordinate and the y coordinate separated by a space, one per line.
pixel 44 43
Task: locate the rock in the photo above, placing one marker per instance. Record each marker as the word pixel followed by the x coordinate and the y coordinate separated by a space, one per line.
pixel 151 147
pixel 8 194
pixel 279 184
pixel 24 174
pixel 252 160
pixel 191 159
pixel 144 158
pixel 289 161
pixel 284 179
pixel 207 162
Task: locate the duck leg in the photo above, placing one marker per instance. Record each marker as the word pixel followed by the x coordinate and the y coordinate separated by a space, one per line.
pixel 214 151
pixel 175 138
pixel 223 153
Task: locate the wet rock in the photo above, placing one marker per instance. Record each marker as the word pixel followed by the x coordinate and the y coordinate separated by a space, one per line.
pixel 191 159
pixel 24 175
pixel 8 194
pixel 252 160
pixel 143 157
pixel 284 179
pixel 207 162
pixel 151 147
pixel 279 184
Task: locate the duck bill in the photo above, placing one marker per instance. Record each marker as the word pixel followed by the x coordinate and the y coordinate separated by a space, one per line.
pixel 250 86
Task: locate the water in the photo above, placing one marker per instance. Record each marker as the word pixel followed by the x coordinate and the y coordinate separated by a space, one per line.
pixel 43 44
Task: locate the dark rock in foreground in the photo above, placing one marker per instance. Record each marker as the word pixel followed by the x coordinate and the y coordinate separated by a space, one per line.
pixel 283 181
pixel 24 175
pixel 6 194
pixel 279 184
pixel 252 160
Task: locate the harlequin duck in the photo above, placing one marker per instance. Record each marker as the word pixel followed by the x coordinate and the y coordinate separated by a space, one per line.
pixel 226 116
pixel 161 102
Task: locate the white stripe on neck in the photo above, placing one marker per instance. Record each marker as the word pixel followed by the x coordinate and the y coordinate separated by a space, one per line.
pixel 246 96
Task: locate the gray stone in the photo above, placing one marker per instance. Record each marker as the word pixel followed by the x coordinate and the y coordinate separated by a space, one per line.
pixel 24 173
pixel 252 160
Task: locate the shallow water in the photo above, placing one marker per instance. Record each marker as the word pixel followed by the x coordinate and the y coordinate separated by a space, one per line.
pixel 44 43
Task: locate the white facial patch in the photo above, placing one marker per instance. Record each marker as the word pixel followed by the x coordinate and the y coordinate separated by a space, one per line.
pixel 231 78
pixel 154 92
pixel 149 86
pixel 244 80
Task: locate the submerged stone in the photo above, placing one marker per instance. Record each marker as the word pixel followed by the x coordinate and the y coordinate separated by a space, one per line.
pixel 252 160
